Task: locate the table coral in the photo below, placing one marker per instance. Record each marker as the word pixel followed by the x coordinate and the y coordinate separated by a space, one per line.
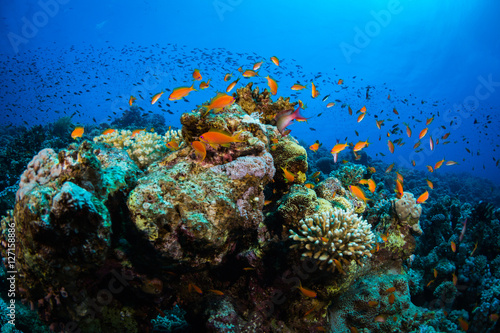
pixel 333 235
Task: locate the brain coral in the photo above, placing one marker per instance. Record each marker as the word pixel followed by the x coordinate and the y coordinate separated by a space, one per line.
pixel 334 235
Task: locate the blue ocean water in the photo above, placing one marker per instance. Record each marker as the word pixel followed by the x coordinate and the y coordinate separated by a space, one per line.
pixel 414 65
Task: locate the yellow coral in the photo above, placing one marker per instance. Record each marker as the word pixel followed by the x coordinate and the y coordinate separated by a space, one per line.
pixel 145 147
pixel 301 177
pixel 395 242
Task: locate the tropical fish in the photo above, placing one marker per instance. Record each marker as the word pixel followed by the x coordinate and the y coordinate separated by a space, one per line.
pixel 435 273
pixel 423 197
pixel 136 132
pixel 431 143
pixel 430 184
pixel 453 246
pixel 451 163
pixel 227 77
pixel 416 145
pixel 423 133
pixel 390 290
pixel 340 81
pixel 289 177
pixel 197 75
pixel 199 149
pixel 307 292
pixel 363 109
pixel 360 145
pixel 309 185
pixel 462 233
pixel 372 304
pixel 194 287
pixel 430 168
pixel 275 61
pixel 231 85
pixel 314 92
pixel 329 105
pixel 315 146
pixel 131 100
pixel 257 65
pixel 356 191
pixel 455 278
pixel 250 73
pixel 180 92
pixel 217 292
pixel 77 132
pixel 361 116
pixel 339 147
pixel 438 164
pixel 391 146
pixel 379 123
pixel 350 110
pixel 205 85
pixel 273 86
pixel 408 131
pixel 215 138
pixel 399 189
pixel 297 86
pixel 392 298
pixel 389 168
pixel 173 145
pixel 371 185
pixel 108 131
pixel 284 118
pixel 429 121
pixel 220 101
pixel 156 97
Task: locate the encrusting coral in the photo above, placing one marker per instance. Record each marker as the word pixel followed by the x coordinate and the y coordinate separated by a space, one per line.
pixel 334 235
pixel 408 211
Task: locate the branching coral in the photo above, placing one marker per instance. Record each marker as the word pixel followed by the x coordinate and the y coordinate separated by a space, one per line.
pixel 334 235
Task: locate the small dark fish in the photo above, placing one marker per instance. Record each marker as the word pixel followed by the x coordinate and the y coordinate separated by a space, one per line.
pixel 326 97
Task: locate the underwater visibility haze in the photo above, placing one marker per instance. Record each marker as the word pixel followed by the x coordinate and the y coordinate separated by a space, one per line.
pixel 250 166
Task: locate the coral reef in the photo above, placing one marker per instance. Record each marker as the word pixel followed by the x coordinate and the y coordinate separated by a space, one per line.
pixel 332 236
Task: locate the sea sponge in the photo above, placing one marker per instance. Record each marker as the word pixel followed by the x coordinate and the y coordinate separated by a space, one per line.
pixel 333 235
pixel 408 211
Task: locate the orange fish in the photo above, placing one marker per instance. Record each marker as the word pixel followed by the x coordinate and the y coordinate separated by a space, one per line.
pixel 199 150
pixel 399 189
pixel 131 100
pixel 136 132
pixel 173 145
pixel 379 123
pixel 389 168
pixel 289 177
pixel 474 250
pixel 205 85
pixel 250 73
pixel 438 164
pixel 388 96
pixel 217 292
pixel 273 86
pixel 194 287
pixel 227 77
pixel 363 109
pixel 408 131
pixel 350 110
pixel 372 304
pixel 371 185
pixel 297 86
pixel 219 102
pixel 391 290
pixel 215 138
pixel 355 190
pixel 275 61
pixel 315 146
pixel 257 65
pixel 108 131
pixel 430 282
pixel 338 148
pixel 314 92
pixel 423 133
pixel 416 145
pixel 395 111
pixel 392 298
pixel 156 97
pixel 430 168
pixel 391 146
pixel 77 132
pixel 464 325
pixel 430 184
pixel 231 85
pixel 435 273
pixel 307 292
pixel 453 246
pixel 180 92
pixel 329 105
pixel 197 75
pixel 360 145
pixel 309 185
pixel 361 116
pixel 400 177
pixel 451 163
pixel 431 143
pixel 444 137
pixel 429 121
pixel 455 278
pixel 423 197
pixel 340 81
